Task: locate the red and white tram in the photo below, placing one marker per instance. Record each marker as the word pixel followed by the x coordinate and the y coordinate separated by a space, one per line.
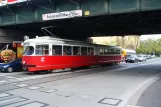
pixel 47 53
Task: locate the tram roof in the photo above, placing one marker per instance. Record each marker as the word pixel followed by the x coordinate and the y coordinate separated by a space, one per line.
pixel 48 39
pixel 129 50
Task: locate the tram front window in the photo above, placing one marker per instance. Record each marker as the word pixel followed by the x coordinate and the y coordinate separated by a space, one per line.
pixel 29 50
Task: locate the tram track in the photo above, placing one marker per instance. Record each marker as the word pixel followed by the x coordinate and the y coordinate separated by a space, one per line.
pixel 74 73
pixel 69 75
pixel 13 85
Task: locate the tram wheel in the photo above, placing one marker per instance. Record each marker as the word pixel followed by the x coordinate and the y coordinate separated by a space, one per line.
pixel 50 71
pixel 113 64
pixel 31 73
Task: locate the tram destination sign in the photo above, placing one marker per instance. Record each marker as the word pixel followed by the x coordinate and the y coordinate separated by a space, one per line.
pixel 62 15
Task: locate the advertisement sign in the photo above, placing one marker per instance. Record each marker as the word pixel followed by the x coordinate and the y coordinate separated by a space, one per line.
pixel 20 51
pixel 19 48
pixel 62 15
pixel 6 2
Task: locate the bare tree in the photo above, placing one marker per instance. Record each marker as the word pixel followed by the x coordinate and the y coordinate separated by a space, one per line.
pixel 137 41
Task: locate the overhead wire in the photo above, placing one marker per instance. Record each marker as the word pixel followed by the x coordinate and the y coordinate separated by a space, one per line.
pixel 74 2
pixel 41 6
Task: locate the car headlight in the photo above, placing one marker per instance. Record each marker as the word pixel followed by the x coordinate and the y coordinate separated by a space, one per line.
pixel 5 66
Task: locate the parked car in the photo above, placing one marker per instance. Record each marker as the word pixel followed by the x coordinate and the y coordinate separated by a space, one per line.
pixel 15 65
pixel 132 58
pixel 148 56
pixel 142 58
pixel 152 56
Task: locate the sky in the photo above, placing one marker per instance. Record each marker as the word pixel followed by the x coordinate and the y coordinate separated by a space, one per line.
pixel 145 37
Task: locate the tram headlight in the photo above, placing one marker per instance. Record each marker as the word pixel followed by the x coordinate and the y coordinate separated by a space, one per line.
pixel 24 62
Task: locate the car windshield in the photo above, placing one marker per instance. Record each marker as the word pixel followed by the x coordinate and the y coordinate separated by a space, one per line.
pixel 14 60
pixel 131 57
pixel 29 50
pixel 140 56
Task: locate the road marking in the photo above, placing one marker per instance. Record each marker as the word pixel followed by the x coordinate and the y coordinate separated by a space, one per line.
pixel 22 85
pixel 4 95
pixel 3 81
pixel 49 91
pixel 10 101
pixel 9 77
pixel 56 74
pixel 34 88
pixel 33 104
pixel 133 106
pixel 110 101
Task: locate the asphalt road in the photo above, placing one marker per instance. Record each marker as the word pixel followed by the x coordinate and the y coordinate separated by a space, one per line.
pixel 152 95
pixel 106 86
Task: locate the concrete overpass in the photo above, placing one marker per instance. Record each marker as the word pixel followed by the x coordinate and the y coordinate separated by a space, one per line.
pixel 99 17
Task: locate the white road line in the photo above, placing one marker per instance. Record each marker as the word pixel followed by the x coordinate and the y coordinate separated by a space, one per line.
pixel 22 85
pixel 10 101
pixel 4 95
pixel 133 106
pixel 33 104
pixel 3 81
pixel 34 88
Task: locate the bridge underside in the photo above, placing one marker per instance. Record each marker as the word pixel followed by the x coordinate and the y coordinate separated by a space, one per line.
pixel 113 25
pixel 105 17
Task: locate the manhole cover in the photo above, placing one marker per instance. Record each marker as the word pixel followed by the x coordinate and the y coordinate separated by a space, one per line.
pixel 33 104
pixel 110 101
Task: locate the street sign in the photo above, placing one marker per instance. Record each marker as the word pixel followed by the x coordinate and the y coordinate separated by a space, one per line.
pixel 62 15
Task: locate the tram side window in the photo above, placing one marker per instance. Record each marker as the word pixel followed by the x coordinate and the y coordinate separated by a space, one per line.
pixel 76 50
pixel 109 51
pixel 115 51
pixel 57 50
pixel 90 51
pixel 112 51
pixel 101 51
pixel 29 50
pixel 106 52
pixel 67 50
pixel 83 50
pixel 42 49
pixel 118 51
